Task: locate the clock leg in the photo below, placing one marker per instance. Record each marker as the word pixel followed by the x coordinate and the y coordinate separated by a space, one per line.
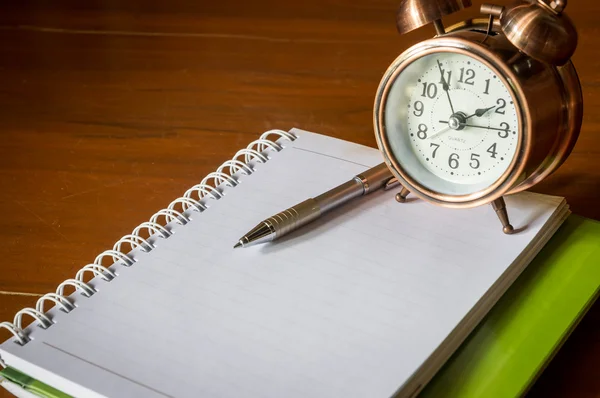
pixel 500 208
pixel 401 196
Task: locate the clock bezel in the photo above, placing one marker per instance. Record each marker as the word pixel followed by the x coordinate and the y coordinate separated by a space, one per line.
pixel 515 169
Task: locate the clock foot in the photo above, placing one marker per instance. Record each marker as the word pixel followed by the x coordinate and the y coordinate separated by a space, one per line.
pixel 500 208
pixel 401 196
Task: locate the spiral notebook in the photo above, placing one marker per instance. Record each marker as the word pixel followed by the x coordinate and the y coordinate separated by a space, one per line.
pixel 369 301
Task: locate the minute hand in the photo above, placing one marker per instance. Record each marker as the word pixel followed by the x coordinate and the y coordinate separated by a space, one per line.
pixel 485 127
pixel 445 86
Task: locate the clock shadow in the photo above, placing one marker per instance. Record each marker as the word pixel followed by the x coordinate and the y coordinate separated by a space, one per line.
pixel 520 229
pixel 581 190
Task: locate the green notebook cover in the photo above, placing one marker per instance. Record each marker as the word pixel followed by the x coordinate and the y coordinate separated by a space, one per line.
pixel 519 336
pixel 515 341
pixel 30 384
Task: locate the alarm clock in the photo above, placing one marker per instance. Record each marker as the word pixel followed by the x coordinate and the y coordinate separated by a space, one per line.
pixel 486 108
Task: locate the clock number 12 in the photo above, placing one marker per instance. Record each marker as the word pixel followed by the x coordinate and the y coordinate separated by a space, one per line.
pixel 470 76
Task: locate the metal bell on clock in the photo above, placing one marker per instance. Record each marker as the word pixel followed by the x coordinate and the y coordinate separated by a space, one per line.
pixel 539 28
pixel 413 14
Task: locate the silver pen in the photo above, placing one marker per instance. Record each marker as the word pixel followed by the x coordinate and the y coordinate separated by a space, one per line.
pixel 305 212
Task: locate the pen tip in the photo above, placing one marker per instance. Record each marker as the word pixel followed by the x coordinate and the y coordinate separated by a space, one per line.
pixel 239 244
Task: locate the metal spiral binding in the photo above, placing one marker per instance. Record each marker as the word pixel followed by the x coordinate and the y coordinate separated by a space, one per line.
pixel 191 199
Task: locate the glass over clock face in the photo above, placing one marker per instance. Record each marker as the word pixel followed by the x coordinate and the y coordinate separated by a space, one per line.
pixel 451 123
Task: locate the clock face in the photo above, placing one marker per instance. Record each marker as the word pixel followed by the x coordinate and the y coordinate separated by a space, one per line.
pixel 451 123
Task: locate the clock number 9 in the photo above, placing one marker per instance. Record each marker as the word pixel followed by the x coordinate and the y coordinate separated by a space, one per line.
pixel 419 109
pixel 506 127
pixel 453 161
pixel 422 133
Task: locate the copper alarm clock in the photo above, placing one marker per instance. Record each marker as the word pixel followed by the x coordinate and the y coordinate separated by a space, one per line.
pixel 487 108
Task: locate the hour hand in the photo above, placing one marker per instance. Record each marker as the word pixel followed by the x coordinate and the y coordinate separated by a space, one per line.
pixel 480 112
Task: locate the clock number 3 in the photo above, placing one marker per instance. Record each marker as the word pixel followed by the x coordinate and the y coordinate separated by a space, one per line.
pixel 506 127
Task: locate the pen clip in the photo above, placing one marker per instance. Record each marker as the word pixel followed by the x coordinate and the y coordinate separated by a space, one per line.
pixel 391 183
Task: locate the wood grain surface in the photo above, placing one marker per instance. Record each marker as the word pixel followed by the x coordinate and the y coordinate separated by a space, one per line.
pixel 111 109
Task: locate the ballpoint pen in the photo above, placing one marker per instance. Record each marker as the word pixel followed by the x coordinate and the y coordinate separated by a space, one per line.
pixel 311 209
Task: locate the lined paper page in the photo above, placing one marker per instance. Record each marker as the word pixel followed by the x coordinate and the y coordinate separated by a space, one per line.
pixel 349 306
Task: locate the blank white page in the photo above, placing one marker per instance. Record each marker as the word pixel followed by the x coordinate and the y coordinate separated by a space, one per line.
pixel 350 306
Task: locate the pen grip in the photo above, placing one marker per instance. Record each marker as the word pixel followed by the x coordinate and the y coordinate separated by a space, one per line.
pixel 294 217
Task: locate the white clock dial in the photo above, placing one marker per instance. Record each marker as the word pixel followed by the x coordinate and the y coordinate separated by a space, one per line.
pixel 461 131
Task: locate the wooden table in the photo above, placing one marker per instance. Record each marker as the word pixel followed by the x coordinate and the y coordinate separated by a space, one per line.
pixel 109 110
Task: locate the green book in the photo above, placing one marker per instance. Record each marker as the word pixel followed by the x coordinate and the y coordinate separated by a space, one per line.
pixel 515 341
pixel 23 385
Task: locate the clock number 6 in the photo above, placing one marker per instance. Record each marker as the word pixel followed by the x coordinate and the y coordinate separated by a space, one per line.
pixel 453 161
